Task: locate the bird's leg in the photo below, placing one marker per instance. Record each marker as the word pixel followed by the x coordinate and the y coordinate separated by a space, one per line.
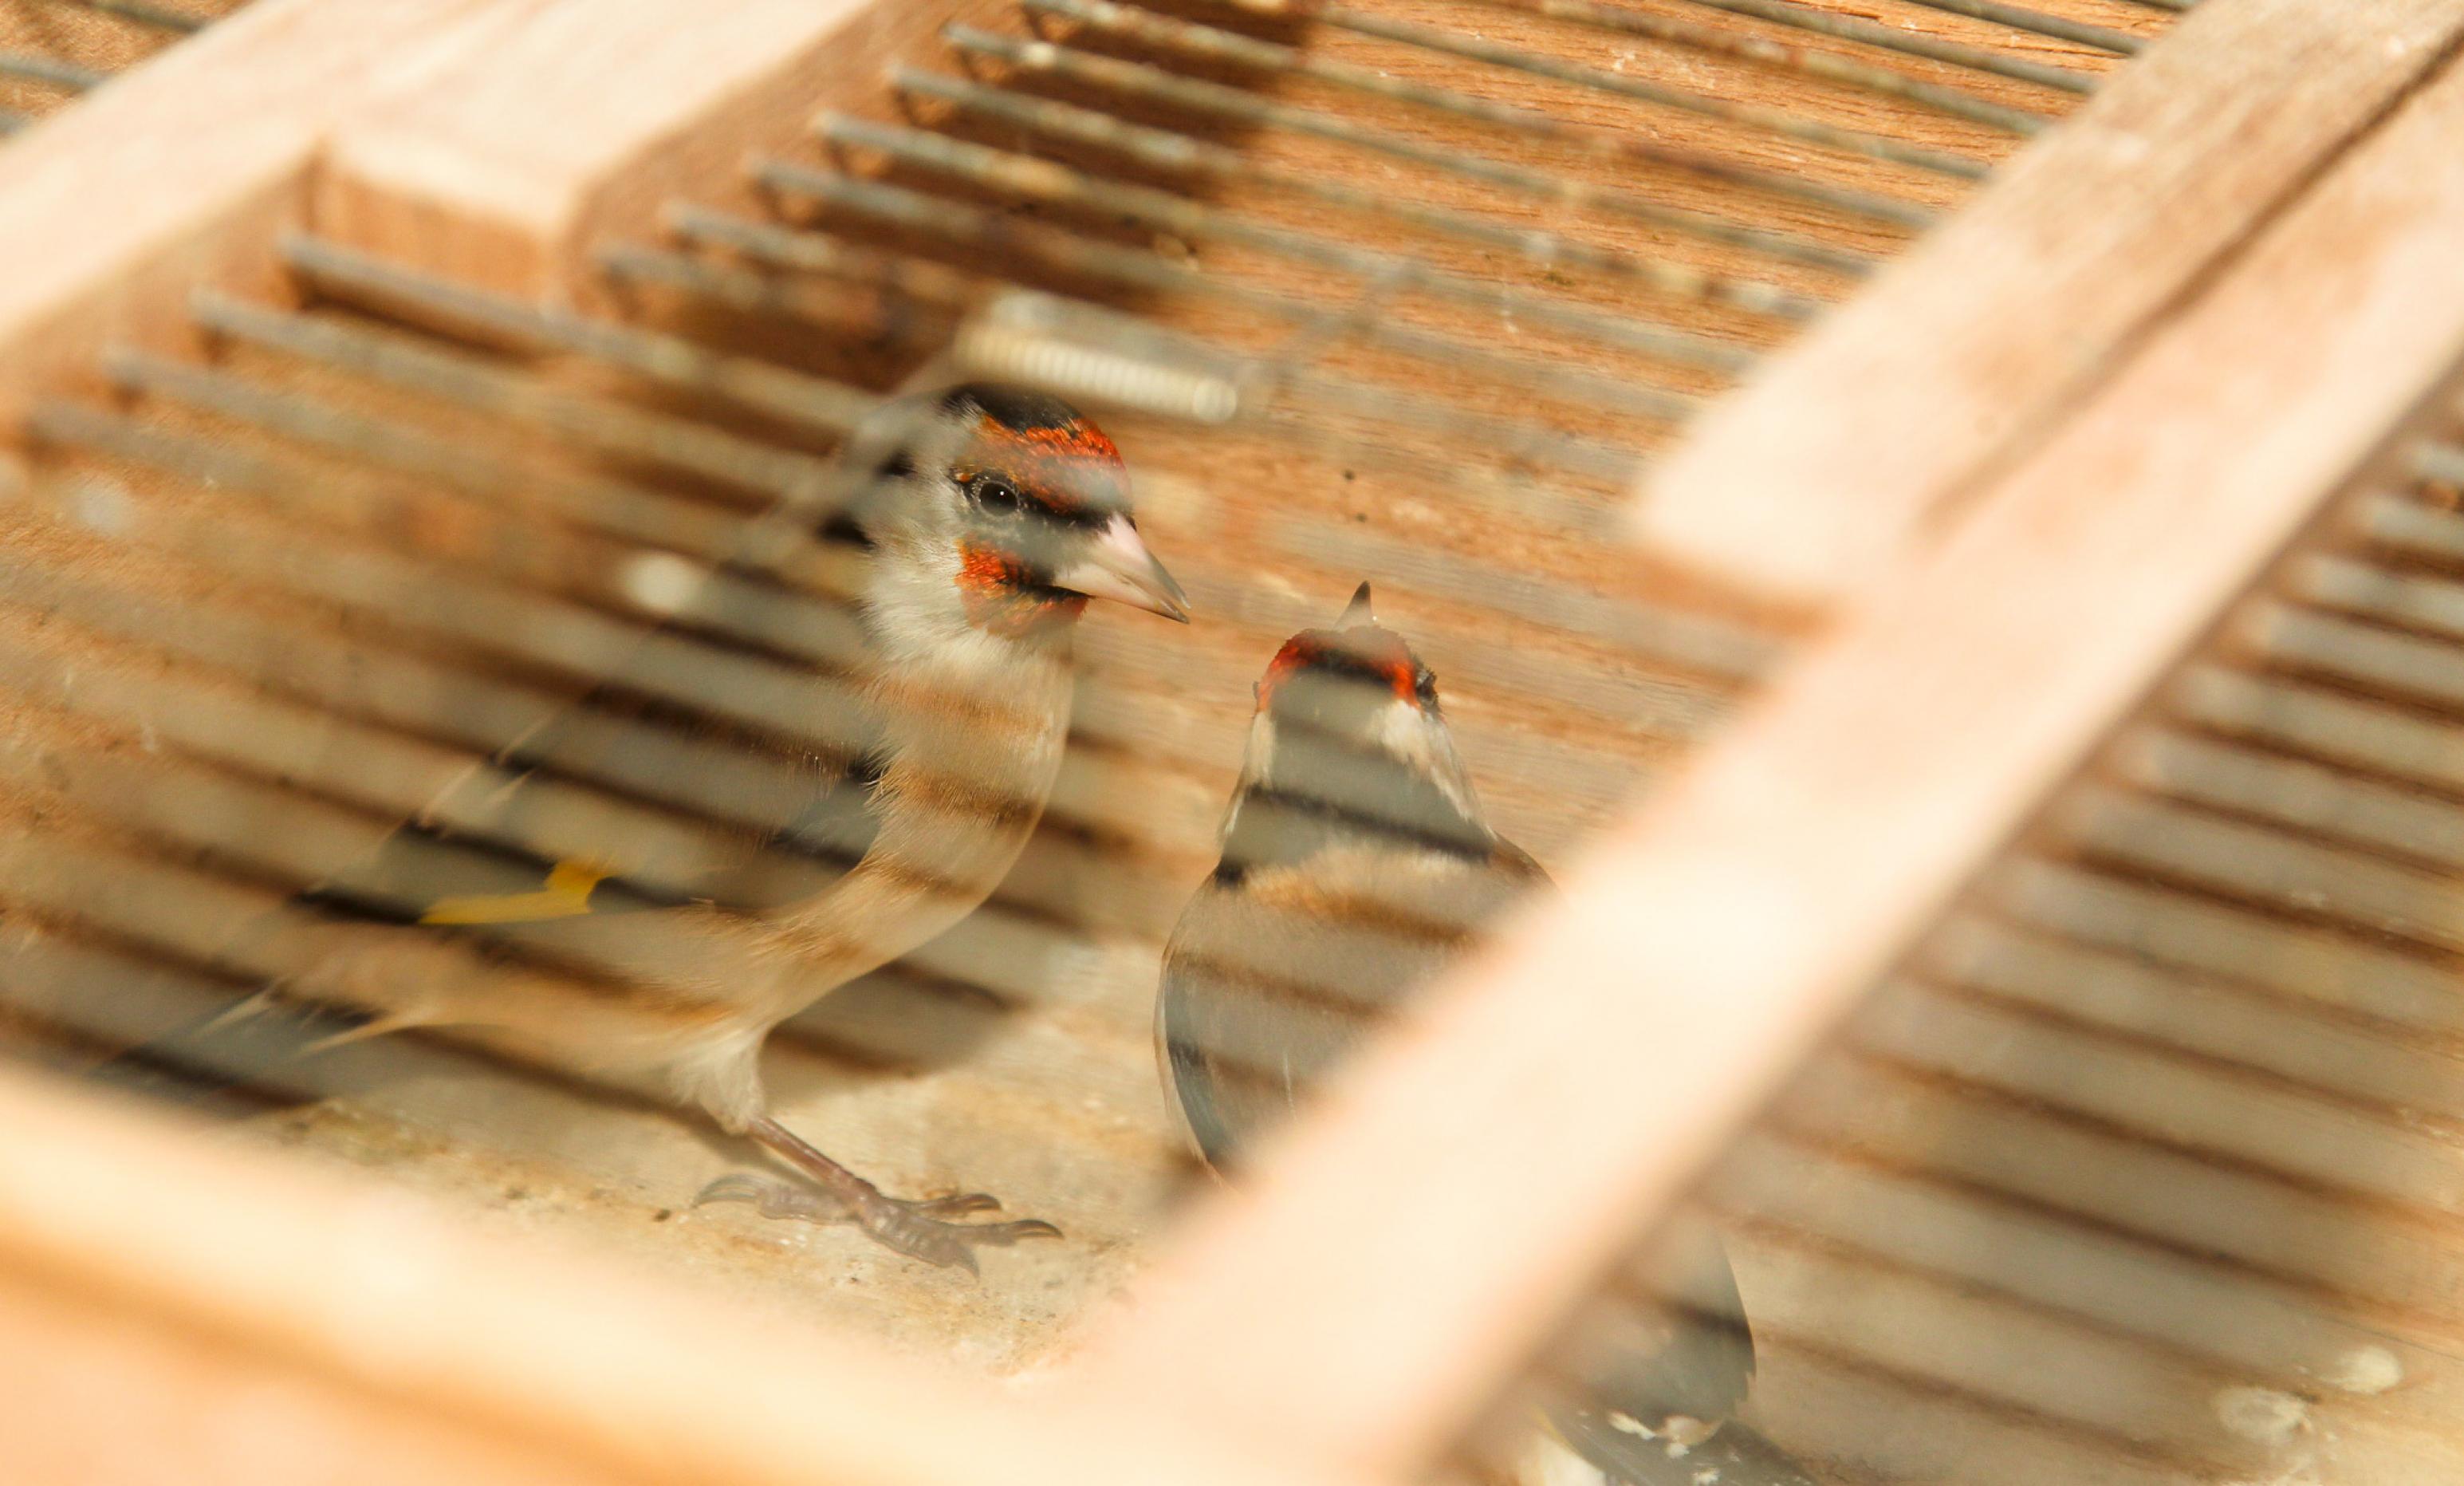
pixel 920 1230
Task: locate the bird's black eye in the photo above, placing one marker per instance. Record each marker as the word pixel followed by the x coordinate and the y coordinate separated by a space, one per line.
pixel 993 495
pixel 1424 685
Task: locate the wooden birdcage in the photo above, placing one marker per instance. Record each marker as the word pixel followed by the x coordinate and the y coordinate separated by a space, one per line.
pixel 1933 515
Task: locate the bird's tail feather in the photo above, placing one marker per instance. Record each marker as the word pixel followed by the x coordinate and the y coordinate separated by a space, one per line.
pixel 246 1057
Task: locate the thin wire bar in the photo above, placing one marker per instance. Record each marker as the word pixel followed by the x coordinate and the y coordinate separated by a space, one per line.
pixel 958 295
pixel 1446 43
pixel 1068 253
pixel 1145 80
pixel 471 381
pixel 621 509
pixel 2326 725
pixel 791 397
pixel 1857 203
pixel 802 250
pixel 610 571
pixel 410 693
pixel 2363 657
pixel 2305 799
pixel 145 14
pixel 1273 56
pixel 2169 927
pixel 2037 23
pixel 948 291
pixel 2416 527
pixel 768 697
pixel 405 689
pixel 50 72
pixel 1824 65
pixel 1169 150
pixel 1057 184
pixel 413 694
pixel 1850 27
pixel 2318 881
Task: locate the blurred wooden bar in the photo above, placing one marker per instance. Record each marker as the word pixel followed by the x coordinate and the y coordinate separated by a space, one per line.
pixel 1971 351
pixel 374 1322
pixel 1477 1172
pixel 188 171
pixel 1347 1321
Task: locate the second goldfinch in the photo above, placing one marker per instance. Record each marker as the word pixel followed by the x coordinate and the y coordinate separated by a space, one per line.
pixel 1357 866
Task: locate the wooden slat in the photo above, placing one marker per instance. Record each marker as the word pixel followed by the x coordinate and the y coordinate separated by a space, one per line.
pixel 508 168
pixel 1466 1180
pixel 191 169
pixel 405 1323
pixel 94 1392
pixel 1903 402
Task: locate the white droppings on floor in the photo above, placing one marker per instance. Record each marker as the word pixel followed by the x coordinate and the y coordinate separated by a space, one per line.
pixel 2367 1370
pixel 2262 1416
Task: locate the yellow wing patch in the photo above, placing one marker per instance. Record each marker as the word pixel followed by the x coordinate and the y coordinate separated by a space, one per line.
pixel 566 895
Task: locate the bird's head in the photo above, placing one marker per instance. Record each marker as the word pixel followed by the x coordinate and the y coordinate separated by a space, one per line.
pixel 1354 695
pixel 1008 510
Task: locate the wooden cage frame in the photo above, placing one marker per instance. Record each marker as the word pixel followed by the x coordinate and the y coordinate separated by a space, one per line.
pixel 2078 410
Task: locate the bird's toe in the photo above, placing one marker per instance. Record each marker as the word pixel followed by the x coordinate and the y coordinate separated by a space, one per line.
pixel 963 1204
pixel 918 1230
pixel 921 1229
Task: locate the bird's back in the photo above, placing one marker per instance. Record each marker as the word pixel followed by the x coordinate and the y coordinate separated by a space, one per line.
pixel 1272 974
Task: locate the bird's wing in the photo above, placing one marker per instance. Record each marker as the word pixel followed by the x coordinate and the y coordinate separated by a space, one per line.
pixel 1515 868
pixel 785 825
pixel 1669 1339
pixel 1197 1036
pixel 1273 974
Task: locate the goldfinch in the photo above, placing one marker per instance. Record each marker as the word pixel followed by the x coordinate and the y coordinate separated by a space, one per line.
pixel 983 518
pixel 1356 866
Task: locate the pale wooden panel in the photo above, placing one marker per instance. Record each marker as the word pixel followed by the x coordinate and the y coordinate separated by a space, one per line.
pixel 503 169
pixel 1812 475
pixel 403 1311
pixel 190 170
pixel 1465 1183
pixel 105 1396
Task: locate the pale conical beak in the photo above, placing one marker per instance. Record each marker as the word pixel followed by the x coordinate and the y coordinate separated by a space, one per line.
pixel 1358 612
pixel 1118 566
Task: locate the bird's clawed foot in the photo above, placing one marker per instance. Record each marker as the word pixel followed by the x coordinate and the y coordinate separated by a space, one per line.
pixel 919 1229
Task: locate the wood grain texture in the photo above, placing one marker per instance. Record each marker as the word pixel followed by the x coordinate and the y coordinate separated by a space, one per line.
pixel 1464 1185
pixel 1900 406
pixel 393 1323
pixel 111 211
pixel 582 121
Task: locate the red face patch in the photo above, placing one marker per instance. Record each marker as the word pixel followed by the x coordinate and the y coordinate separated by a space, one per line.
pixel 1002 596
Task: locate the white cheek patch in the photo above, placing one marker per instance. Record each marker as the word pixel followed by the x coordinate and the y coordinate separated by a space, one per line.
pixel 1421 741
